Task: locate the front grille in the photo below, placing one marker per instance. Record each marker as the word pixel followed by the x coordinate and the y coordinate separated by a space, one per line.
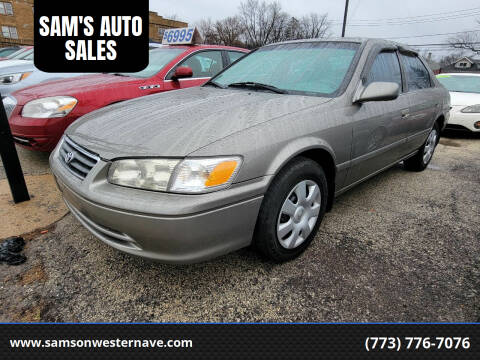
pixel 76 159
pixel 9 104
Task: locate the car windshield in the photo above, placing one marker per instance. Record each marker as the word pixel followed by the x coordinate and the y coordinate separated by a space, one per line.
pixel 17 54
pixel 4 52
pixel 460 83
pixel 158 58
pixel 310 68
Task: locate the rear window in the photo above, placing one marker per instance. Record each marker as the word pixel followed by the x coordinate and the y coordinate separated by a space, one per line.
pixel 460 83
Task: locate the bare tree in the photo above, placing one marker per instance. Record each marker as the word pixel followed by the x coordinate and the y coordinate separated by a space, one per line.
pixel 262 23
pixel 208 32
pixel 468 41
pixel 229 31
pixel 314 26
pixel 293 30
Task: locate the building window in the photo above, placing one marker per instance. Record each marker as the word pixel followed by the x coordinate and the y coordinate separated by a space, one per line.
pixel 9 32
pixel 6 8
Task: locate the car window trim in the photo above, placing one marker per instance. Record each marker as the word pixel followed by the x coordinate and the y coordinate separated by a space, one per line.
pixel 165 78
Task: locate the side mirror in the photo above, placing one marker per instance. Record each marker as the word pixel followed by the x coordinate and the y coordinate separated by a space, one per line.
pixel 379 91
pixel 182 72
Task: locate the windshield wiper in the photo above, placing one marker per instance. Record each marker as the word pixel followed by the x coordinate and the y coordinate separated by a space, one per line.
pixel 210 82
pixel 255 85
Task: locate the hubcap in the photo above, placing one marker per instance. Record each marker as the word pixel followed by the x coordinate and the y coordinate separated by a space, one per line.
pixel 430 146
pixel 299 214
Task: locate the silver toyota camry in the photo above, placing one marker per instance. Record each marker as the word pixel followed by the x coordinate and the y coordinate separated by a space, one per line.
pixel 256 155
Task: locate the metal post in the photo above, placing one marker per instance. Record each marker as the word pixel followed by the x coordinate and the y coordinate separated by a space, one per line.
pixel 10 160
pixel 345 18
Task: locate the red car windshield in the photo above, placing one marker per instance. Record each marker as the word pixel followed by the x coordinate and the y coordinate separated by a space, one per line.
pixel 158 59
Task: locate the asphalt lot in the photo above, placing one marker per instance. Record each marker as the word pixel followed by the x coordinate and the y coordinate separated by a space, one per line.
pixel 401 247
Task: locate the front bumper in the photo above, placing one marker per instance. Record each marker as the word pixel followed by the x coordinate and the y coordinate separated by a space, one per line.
pixel 171 228
pixel 38 134
pixel 463 120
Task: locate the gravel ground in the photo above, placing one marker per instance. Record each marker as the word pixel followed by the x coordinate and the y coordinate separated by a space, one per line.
pixel 401 247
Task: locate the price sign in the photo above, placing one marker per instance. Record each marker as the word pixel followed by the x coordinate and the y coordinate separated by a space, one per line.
pixel 181 36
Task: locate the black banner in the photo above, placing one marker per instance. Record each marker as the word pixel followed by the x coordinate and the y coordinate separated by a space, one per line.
pixel 240 341
pixel 91 36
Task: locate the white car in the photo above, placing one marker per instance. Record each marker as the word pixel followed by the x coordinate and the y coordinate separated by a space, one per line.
pixel 465 100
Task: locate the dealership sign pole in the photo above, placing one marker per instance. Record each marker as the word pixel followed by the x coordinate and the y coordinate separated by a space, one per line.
pixel 10 160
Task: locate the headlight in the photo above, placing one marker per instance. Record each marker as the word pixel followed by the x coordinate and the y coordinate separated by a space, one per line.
pixel 56 106
pixel 189 176
pixel 471 109
pixel 150 174
pixel 13 78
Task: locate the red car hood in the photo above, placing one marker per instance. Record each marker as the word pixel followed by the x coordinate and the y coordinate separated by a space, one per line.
pixel 72 86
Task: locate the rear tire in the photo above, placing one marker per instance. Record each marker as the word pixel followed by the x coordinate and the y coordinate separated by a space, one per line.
pixel 422 158
pixel 292 210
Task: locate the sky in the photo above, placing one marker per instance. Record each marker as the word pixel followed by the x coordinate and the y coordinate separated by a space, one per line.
pixel 414 16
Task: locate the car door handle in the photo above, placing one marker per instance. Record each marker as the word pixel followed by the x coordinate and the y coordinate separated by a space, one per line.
pixel 405 113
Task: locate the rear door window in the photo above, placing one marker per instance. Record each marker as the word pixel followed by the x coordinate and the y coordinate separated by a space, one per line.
pixel 417 74
pixel 235 55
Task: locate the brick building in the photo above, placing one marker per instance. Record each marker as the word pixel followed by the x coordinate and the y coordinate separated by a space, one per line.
pixel 16 22
pixel 158 24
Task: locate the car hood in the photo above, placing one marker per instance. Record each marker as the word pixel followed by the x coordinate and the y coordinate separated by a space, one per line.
pixel 7 63
pixel 15 68
pixel 464 99
pixel 176 123
pixel 71 86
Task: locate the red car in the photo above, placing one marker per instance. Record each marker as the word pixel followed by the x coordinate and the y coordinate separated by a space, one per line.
pixel 44 111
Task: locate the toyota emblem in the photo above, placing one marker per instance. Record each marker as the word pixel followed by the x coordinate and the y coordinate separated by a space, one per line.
pixel 69 157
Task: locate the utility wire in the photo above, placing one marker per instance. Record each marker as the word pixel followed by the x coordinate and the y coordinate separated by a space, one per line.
pixel 420 21
pixel 418 36
pixel 419 16
pixel 445 44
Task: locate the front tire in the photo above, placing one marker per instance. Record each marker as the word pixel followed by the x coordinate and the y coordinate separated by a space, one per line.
pixel 292 210
pixel 422 158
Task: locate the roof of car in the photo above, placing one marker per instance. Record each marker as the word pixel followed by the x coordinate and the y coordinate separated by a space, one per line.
pixel 200 46
pixel 382 42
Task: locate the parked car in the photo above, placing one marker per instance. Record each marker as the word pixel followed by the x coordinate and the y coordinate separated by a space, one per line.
pixel 5 51
pixel 465 98
pixel 256 155
pixel 40 114
pixel 23 74
pixel 23 53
